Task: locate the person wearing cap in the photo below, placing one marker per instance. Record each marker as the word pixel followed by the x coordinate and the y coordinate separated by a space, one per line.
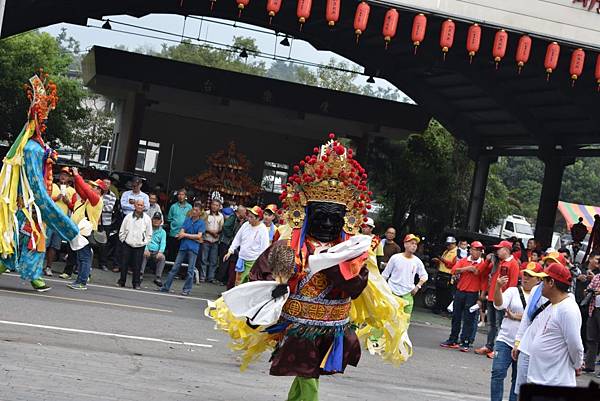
pixel 507 265
pixel 556 350
pixel 401 270
pixel 465 297
pixel 444 278
pixel 210 244
pixel 87 213
pixel 252 239
pixel 128 198
pixel 190 235
pixel 155 250
pixel 513 302
pixel 269 218
pixel 367 229
pixel 65 197
pixel 135 233
pixel 110 224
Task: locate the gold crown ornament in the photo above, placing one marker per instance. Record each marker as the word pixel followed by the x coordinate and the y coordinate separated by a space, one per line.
pixel 330 174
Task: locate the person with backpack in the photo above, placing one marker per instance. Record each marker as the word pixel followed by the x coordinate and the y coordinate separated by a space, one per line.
pixel 513 302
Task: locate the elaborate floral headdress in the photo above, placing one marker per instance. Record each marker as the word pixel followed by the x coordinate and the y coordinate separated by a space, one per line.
pixel 330 174
pixel 42 94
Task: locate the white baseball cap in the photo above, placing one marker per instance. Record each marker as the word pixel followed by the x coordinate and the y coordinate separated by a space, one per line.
pixel 450 240
pixel 370 222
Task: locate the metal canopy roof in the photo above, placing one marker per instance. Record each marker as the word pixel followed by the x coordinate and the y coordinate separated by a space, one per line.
pixel 495 111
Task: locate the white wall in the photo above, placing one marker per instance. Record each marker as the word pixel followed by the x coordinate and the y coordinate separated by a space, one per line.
pixel 560 19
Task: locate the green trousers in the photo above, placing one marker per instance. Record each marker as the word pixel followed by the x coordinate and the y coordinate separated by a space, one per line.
pixel 304 389
pixel 411 303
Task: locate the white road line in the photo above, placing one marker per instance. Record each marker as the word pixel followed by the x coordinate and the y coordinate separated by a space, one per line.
pixel 89 301
pixel 104 334
pixel 212 340
pixel 53 280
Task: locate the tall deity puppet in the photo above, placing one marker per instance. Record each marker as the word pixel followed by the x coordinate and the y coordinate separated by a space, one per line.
pixel 314 298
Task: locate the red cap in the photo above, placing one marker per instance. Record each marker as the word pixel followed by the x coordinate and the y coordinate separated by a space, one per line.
pixel 257 211
pixel 100 184
pixel 477 244
pixel 559 273
pixel 534 269
pixel 412 237
pixel 504 244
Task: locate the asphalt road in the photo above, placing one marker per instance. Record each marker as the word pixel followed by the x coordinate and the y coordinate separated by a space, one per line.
pixel 109 343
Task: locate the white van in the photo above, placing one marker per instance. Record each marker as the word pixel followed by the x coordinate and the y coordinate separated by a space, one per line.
pixel 516 226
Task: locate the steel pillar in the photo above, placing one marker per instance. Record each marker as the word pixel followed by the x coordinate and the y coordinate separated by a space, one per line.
pixel 478 188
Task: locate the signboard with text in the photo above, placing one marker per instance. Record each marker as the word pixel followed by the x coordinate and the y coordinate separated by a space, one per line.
pixel 575 21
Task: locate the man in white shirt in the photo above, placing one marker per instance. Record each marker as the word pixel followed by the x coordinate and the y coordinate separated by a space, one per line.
pixel 252 239
pixel 556 351
pixel 514 302
pixel 400 272
pixel 135 234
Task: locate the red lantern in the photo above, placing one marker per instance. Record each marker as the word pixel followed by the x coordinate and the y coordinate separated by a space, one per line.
pixel 473 40
pixel 332 12
pixel 577 62
pixel 361 18
pixel 523 51
pixel 303 11
pixel 597 74
pixel 390 25
pixel 551 59
pixel 418 30
pixel 500 42
pixel 273 7
pixel 241 5
pixel 447 36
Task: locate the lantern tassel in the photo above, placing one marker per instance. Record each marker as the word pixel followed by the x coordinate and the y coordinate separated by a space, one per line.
pixel 548 77
pixel 181 3
pixel 497 64
pixel 416 47
pixel 240 13
pixel 212 6
pixel 270 20
pixel 470 59
pixel 519 69
pixel 444 56
pixel 301 27
pixel 357 37
pixel 386 44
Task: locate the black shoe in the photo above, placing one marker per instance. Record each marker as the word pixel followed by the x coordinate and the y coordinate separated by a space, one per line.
pixel 588 370
pixel 120 284
pixel 158 282
pixel 104 268
pixel 137 287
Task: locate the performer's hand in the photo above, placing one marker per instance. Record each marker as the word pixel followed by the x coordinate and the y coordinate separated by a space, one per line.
pixel 226 257
pixel 414 291
pixel 74 170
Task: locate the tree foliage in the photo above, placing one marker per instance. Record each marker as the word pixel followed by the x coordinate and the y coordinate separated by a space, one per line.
pixel 20 57
pixel 96 130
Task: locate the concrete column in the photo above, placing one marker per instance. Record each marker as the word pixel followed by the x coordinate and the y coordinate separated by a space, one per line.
pixel 478 188
pixel 553 175
pixel 128 127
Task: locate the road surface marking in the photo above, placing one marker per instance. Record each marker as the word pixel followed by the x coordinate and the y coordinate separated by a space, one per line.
pixel 212 340
pixel 104 334
pixel 149 292
pixel 89 301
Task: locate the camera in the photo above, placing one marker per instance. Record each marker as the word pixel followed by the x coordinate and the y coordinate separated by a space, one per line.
pixel 589 293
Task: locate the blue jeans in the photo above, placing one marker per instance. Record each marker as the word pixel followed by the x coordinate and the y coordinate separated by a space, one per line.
pixel 84 264
pixel 495 318
pixel 189 279
pixel 210 260
pixel 462 317
pixel 502 361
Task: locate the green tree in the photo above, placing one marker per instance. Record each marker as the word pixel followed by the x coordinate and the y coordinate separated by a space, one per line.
pixel 97 129
pixel 218 58
pixel 20 57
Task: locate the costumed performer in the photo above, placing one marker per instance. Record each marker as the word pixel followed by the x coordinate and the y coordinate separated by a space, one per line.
pixel 332 289
pixel 26 208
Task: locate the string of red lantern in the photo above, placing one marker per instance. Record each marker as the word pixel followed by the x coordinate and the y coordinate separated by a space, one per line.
pixel 241 5
pixel 523 52
pixel 332 12
pixel 390 25
pixel 273 7
pixel 303 11
pixel 499 49
pixel 361 18
pixel 551 59
pixel 447 36
pixel 418 30
pixel 473 41
pixel 577 63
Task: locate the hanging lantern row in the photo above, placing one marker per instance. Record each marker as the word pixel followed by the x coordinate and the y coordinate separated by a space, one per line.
pixel 447 35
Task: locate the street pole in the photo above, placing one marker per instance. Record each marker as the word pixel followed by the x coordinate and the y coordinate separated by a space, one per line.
pixel 2 6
